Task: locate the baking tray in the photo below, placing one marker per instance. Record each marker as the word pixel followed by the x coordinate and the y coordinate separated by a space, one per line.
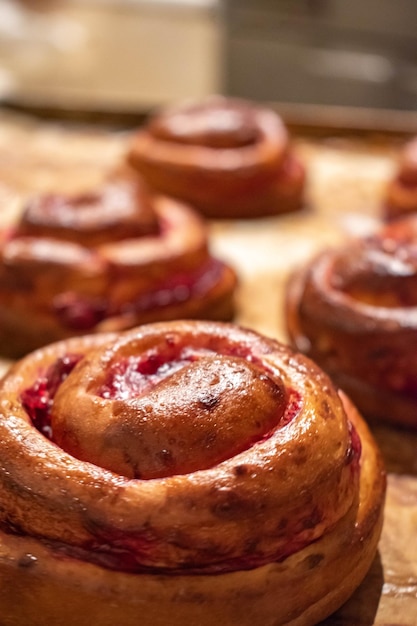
pixel 347 174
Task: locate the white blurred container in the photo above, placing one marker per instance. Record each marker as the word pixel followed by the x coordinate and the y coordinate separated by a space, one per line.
pixel 108 54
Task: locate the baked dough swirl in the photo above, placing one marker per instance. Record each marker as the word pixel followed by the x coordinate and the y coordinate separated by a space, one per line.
pixel 106 260
pixel 229 158
pixel 401 193
pixel 181 472
pixel 353 310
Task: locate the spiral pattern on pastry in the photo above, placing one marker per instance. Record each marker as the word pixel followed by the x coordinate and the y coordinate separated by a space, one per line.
pixel 401 193
pixel 353 310
pixel 189 471
pixel 106 260
pixel 227 157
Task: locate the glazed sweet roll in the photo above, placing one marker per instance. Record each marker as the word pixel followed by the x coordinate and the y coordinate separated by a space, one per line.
pixel 401 193
pixel 353 310
pixel 106 260
pixel 229 158
pixel 181 472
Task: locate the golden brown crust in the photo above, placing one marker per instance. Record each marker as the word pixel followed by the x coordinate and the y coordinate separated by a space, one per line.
pixel 227 157
pixel 120 208
pixel 401 193
pixel 107 260
pixel 282 529
pixel 353 310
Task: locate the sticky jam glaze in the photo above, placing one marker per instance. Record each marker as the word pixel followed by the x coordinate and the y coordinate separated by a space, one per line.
pixel 84 314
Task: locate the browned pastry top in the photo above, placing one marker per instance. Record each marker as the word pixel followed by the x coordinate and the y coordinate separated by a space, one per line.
pixel 205 137
pixel 215 123
pixel 353 309
pixel 121 208
pixel 227 157
pixel 189 446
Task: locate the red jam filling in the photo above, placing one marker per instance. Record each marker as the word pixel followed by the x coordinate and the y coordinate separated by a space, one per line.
pixel 408 181
pixel 80 313
pixel 132 377
pixel 37 400
pixel 135 375
pixel 294 405
pixel 125 554
pixel 354 451
pixel 179 288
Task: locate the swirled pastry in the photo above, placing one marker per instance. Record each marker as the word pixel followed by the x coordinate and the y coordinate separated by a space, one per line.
pixel 353 310
pixel 181 472
pixel 401 193
pixel 106 260
pixel 228 158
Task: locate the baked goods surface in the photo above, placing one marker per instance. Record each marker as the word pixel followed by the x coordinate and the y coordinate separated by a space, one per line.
pixel 229 158
pixel 353 310
pixel 401 192
pixel 182 472
pixel 105 259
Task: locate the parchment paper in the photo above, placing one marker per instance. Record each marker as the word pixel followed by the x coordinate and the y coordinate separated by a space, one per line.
pixel 346 179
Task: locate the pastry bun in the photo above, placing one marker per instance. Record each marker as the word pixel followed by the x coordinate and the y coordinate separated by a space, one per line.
pixel 228 158
pixel 181 472
pixel 106 260
pixel 353 310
